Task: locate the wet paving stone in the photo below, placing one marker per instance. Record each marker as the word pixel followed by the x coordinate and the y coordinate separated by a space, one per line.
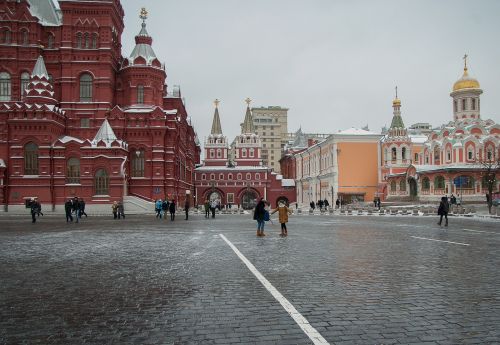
pixel 357 280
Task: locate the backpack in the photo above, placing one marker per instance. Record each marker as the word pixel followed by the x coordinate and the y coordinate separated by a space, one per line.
pixel 266 216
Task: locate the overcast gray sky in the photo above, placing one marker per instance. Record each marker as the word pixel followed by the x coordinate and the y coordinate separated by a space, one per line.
pixel 333 63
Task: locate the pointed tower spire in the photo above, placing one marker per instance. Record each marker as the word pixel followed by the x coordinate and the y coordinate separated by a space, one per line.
pixel 39 89
pixel 216 127
pixel 397 126
pixel 39 70
pixel 247 126
pixel 105 133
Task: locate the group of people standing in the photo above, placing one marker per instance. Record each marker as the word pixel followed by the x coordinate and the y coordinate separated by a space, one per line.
pixel 77 206
pixel 164 206
pixel 262 213
pixel 320 204
pixel 210 207
pixel 118 210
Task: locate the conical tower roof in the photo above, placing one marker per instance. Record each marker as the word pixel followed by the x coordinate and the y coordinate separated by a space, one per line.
pixel 39 89
pixel 39 70
pixel 143 44
pixel 247 127
pixel 105 133
pixel 216 126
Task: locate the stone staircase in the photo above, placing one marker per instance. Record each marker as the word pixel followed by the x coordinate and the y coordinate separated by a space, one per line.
pixel 136 205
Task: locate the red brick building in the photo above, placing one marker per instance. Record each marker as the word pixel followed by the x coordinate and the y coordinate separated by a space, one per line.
pixel 242 180
pixel 79 119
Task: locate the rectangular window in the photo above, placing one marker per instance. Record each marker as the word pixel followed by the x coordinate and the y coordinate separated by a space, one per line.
pixel 85 123
pixel 230 198
pixel 463 104
pixel 473 104
pixel 140 94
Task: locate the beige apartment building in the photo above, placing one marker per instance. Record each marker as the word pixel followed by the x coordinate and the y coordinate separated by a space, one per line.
pixel 271 125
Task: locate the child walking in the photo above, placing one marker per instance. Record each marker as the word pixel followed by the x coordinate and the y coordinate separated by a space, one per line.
pixel 283 212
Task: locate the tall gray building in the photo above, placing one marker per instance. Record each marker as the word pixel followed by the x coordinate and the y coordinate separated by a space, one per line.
pixel 271 124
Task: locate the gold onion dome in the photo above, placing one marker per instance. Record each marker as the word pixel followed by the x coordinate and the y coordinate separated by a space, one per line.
pixel 396 101
pixel 466 82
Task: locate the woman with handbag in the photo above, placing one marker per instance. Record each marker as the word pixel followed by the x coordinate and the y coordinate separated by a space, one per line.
pixel 259 215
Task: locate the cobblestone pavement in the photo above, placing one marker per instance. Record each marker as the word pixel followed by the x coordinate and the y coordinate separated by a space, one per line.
pixel 357 280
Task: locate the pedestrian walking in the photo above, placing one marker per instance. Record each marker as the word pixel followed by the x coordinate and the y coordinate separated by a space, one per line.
pixel 165 205
pixel 158 205
pixel 337 203
pixel 171 208
pixel 207 208
pixel 68 208
pixel 114 208
pixel 76 208
pixel 186 208
pixel 82 208
pixel 213 206
pixel 259 215
pixel 283 212
pixel 38 207
pixel 443 209
pixel 33 210
pixel 121 210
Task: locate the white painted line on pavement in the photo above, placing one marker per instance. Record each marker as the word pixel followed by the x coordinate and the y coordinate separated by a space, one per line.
pixel 484 232
pixel 309 330
pixel 432 239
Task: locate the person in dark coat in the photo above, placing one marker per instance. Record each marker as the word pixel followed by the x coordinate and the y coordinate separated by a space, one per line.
pixel 121 210
pixel 33 210
pixel 207 208
pixel 68 208
pixel 443 209
pixel 186 208
pixel 171 209
pixel 82 208
pixel 258 215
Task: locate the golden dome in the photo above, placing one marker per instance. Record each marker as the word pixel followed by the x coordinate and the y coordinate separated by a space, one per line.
pixel 466 82
pixel 396 101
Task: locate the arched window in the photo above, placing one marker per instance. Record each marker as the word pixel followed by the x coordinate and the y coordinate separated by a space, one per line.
pixel 86 40
pixel 79 40
pixel 257 176
pixel 24 37
pixel 94 41
pixel 416 158
pixel 439 182
pixel 466 181
pixel 426 183
pixel 470 154
pixel 393 154
pixel 473 103
pixel 221 176
pixel 5 86
pixel 50 41
pixel 489 154
pixel 448 155
pixel 402 185
pixel 464 103
pixel 138 163
pixel 85 88
pixel 393 185
pixel 243 153
pixel 238 177
pixel 252 153
pixel 230 177
pixel 25 80
pixel 101 182
pixel 212 177
pixel 219 153
pixel 436 155
pixel 31 159
pixel 6 36
pixel 248 176
pixel 73 171
pixel 140 94
pixel 212 153
pixel 403 153
pixel 203 176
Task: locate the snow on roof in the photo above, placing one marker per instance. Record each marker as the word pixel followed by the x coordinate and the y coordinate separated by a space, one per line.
pixel 418 138
pixel 46 11
pixel 2 163
pixel 67 138
pixel 355 131
pixel 287 182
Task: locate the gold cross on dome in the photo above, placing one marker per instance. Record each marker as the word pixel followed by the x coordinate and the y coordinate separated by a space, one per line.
pixel 144 14
pixel 216 102
pixel 248 100
pixel 465 60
